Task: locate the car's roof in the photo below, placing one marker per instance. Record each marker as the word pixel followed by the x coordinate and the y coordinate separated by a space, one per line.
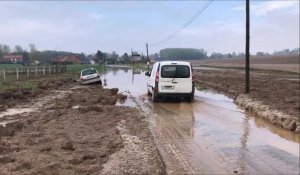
pixel 88 69
pixel 175 62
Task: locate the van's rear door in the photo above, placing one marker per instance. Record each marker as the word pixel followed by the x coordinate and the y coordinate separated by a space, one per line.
pixel 175 78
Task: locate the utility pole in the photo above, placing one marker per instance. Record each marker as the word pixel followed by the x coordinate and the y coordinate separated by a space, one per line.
pixel 132 57
pixel 147 51
pixel 247 46
pixel 148 61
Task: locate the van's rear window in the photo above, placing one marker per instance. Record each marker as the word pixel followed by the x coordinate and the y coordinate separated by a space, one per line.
pixel 175 71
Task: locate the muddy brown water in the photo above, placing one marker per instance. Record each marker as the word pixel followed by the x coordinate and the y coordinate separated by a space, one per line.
pixel 211 135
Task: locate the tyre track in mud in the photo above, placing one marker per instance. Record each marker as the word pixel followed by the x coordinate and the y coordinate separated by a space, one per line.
pixel 179 154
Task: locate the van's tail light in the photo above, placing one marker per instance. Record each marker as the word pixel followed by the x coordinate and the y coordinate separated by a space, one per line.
pixel 193 79
pixel 81 78
pixel 156 79
pixel 157 76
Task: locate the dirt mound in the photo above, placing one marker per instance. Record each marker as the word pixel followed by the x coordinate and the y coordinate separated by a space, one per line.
pixel 79 134
pixel 19 94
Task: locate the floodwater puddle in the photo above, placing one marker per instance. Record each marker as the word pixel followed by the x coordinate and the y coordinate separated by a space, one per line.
pixel 4 123
pixel 76 107
pixel 14 111
pixel 127 102
pixel 212 127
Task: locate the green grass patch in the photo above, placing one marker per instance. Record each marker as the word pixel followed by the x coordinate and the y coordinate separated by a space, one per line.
pixel 13 84
pixel 28 85
pixel 9 66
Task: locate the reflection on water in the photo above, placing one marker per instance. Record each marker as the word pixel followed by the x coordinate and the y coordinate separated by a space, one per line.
pixel 126 79
pixel 243 147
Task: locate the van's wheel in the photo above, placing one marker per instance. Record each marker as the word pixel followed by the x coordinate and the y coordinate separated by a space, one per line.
pixel 191 98
pixel 154 97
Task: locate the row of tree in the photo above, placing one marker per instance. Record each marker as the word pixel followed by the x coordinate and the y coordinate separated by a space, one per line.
pixel 295 51
pixel 100 57
pixel 114 58
pixel 33 54
pixel 48 56
pixel 182 54
pixel 198 54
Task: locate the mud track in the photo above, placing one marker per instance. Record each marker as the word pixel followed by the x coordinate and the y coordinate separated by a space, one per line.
pixel 78 130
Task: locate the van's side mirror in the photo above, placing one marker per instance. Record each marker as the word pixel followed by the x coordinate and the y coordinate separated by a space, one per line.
pixel 147 74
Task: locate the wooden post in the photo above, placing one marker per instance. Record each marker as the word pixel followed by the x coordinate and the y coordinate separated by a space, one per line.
pixel 44 70
pixel 36 71
pixel 247 46
pixel 49 69
pixel 148 60
pixel 17 71
pixel 4 76
pixel 54 69
pixel 27 69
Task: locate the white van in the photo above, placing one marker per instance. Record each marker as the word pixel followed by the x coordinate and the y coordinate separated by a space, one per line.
pixel 171 78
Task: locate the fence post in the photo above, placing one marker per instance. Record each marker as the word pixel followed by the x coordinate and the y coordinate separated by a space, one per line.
pixel 44 70
pixel 36 71
pixel 4 76
pixel 27 72
pixel 17 71
pixel 49 69
pixel 54 69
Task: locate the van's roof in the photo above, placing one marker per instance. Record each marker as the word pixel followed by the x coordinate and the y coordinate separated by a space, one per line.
pixel 175 62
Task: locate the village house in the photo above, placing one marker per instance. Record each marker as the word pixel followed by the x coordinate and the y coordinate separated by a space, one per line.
pixel 13 58
pixel 68 59
pixel 136 56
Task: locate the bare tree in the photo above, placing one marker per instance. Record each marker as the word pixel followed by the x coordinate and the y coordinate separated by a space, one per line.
pixel 18 49
pixel 32 48
pixel 6 49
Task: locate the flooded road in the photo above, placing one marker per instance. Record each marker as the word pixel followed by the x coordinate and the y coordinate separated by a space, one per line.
pixel 211 135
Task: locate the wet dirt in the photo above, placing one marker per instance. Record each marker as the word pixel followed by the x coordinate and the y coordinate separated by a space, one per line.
pixel 79 131
pixel 20 95
pixel 212 135
pixel 272 89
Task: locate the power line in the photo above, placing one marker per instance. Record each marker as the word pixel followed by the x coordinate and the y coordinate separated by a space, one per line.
pixel 199 11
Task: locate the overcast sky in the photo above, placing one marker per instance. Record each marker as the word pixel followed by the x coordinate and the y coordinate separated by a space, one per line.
pixel 119 26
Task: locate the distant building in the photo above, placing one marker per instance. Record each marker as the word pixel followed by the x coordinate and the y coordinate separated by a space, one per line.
pixel 68 59
pixel 13 58
pixel 136 56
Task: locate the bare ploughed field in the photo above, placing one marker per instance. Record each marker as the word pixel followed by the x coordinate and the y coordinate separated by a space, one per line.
pixel 279 62
pixel 274 80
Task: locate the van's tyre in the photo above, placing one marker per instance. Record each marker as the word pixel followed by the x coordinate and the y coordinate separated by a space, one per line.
pixel 154 97
pixel 191 98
